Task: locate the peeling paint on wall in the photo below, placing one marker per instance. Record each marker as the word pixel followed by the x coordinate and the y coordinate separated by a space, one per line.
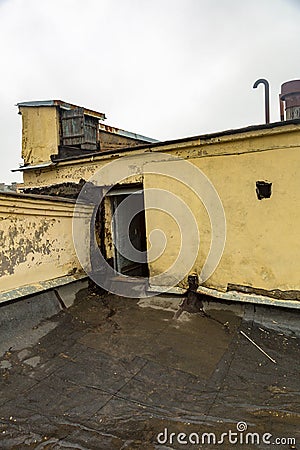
pixel 22 240
pixel 36 240
pixel 262 248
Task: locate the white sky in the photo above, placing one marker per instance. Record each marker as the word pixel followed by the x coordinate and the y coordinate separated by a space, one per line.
pixel 163 68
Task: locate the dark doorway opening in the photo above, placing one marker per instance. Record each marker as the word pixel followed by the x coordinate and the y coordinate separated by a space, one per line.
pixel 129 231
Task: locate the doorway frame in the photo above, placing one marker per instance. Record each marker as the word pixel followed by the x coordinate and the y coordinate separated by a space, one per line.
pixel 127 189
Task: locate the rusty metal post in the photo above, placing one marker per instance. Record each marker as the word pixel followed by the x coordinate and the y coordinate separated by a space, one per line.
pixel 281 107
pixel 267 96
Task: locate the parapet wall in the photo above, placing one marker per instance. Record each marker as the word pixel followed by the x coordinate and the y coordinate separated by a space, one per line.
pixel 36 240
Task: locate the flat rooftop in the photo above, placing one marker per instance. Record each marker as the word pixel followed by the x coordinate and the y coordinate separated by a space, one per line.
pixel 112 373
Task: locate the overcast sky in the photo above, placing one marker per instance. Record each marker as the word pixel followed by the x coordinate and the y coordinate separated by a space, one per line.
pixel 162 68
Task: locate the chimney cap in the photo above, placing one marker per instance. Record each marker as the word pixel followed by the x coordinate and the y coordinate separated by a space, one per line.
pixel 290 87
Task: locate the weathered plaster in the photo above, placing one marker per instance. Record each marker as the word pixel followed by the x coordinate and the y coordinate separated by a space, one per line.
pixel 36 240
pixel 22 240
pixel 40 133
pixel 262 245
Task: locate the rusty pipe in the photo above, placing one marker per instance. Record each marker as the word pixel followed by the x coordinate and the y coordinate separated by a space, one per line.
pixel 267 96
pixel 281 108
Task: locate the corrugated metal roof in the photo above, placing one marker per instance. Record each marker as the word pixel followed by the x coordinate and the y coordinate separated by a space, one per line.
pixel 62 104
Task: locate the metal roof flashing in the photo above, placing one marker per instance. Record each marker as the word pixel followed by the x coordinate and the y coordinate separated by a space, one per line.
pixel 61 104
pixel 33 166
pixel 118 131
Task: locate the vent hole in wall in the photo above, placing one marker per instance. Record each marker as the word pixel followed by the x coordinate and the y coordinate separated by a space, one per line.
pixel 263 189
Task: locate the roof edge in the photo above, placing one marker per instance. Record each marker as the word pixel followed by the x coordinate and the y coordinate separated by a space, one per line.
pixel 49 198
pixel 62 104
pixel 202 137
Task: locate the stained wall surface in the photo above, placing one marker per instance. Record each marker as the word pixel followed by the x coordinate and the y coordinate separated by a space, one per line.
pixel 262 248
pixel 40 133
pixel 36 240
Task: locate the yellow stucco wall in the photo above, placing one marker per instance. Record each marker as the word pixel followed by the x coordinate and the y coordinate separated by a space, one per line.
pixel 262 246
pixel 284 137
pixel 36 240
pixel 262 242
pixel 40 133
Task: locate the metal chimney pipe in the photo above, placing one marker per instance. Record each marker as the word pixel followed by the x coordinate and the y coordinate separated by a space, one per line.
pixel 267 96
pixel 290 95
